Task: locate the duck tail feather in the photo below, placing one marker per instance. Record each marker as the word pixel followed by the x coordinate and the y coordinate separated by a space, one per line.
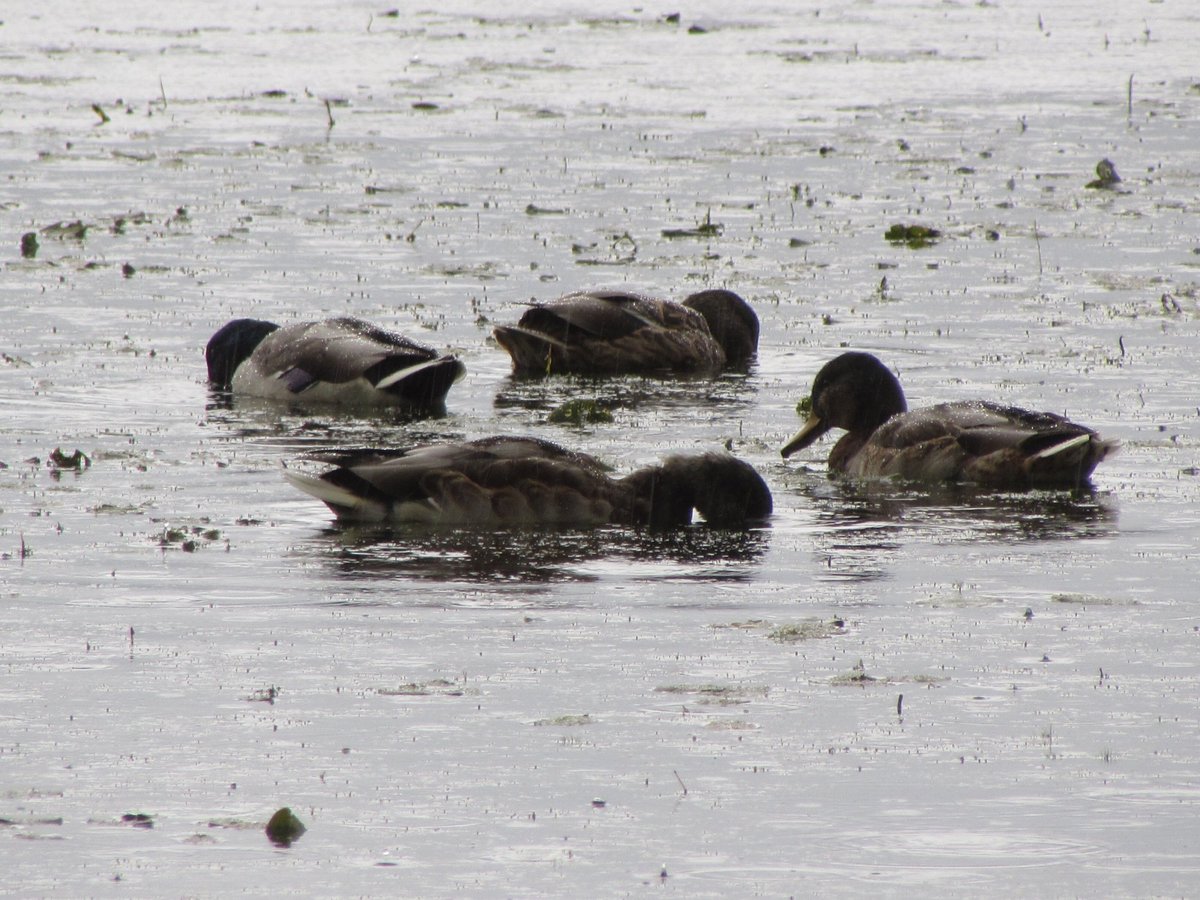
pixel 447 366
pixel 340 500
pixel 1063 446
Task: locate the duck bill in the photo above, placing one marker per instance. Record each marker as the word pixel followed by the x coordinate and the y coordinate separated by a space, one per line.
pixel 813 429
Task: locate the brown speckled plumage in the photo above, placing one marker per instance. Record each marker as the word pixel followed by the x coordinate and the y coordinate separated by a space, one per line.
pixel 501 481
pixel 617 332
pixel 979 441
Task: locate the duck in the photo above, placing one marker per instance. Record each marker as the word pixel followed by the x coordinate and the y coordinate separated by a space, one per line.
pixel 614 332
pixel 520 481
pixel 344 360
pixel 972 441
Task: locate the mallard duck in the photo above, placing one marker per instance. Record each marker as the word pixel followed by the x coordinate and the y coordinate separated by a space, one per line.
pixel 981 442
pixel 523 481
pixel 345 361
pixel 617 332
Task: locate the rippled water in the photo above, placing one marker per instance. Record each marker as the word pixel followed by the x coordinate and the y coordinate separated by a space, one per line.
pixel 887 690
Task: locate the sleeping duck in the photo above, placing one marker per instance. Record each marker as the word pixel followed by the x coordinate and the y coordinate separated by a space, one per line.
pixel 498 481
pixel 617 332
pixel 981 442
pixel 345 361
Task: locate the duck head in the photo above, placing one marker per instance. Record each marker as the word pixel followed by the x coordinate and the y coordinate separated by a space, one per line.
pixel 231 346
pixel 854 391
pixel 731 320
pixel 726 491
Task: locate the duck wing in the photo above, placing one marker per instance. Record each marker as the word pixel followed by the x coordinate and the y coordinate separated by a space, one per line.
pixel 979 426
pixel 602 315
pixel 983 442
pixel 609 332
pixel 336 352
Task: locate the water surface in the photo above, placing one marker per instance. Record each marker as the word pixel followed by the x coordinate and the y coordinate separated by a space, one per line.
pixel 887 690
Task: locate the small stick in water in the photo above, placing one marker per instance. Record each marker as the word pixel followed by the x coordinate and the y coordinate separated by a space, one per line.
pixel 680 780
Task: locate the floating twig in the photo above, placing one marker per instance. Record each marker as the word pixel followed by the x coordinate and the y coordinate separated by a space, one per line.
pixel 675 772
pixel 1037 240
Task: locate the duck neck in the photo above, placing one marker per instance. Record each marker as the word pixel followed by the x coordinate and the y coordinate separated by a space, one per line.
pixel 661 497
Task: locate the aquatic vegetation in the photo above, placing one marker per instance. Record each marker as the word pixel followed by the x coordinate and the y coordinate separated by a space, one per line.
pixel 566 721
pixel 441 687
pixel 856 677
pixel 807 630
pixel 1106 176
pixel 705 229
pixel 284 828
pixel 915 237
pixel 76 461
pixel 580 412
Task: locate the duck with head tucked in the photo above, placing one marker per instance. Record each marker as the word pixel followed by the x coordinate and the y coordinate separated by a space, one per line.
pixel 618 332
pixel 978 441
pixel 500 481
pixel 343 361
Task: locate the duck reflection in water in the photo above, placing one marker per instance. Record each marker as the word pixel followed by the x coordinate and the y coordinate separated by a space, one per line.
pixel 542 555
pixel 894 512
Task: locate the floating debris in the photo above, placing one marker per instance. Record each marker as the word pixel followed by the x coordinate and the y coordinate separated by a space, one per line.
pixel 807 630
pixel 731 725
pixel 856 676
pixel 29 245
pixel 434 687
pixel 534 210
pixel 580 413
pixel 63 231
pixel 138 820
pixel 284 828
pixel 77 461
pixel 912 236
pixel 1106 176
pixel 707 228
pixel 715 694
pixel 264 695
pixel 747 624
pixel 1090 600
pixel 567 721
pixel 185 538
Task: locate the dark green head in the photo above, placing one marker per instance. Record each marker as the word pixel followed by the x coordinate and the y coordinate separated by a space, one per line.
pixel 231 346
pixel 731 320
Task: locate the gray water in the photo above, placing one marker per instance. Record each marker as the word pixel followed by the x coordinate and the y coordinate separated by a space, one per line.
pixel 887 690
